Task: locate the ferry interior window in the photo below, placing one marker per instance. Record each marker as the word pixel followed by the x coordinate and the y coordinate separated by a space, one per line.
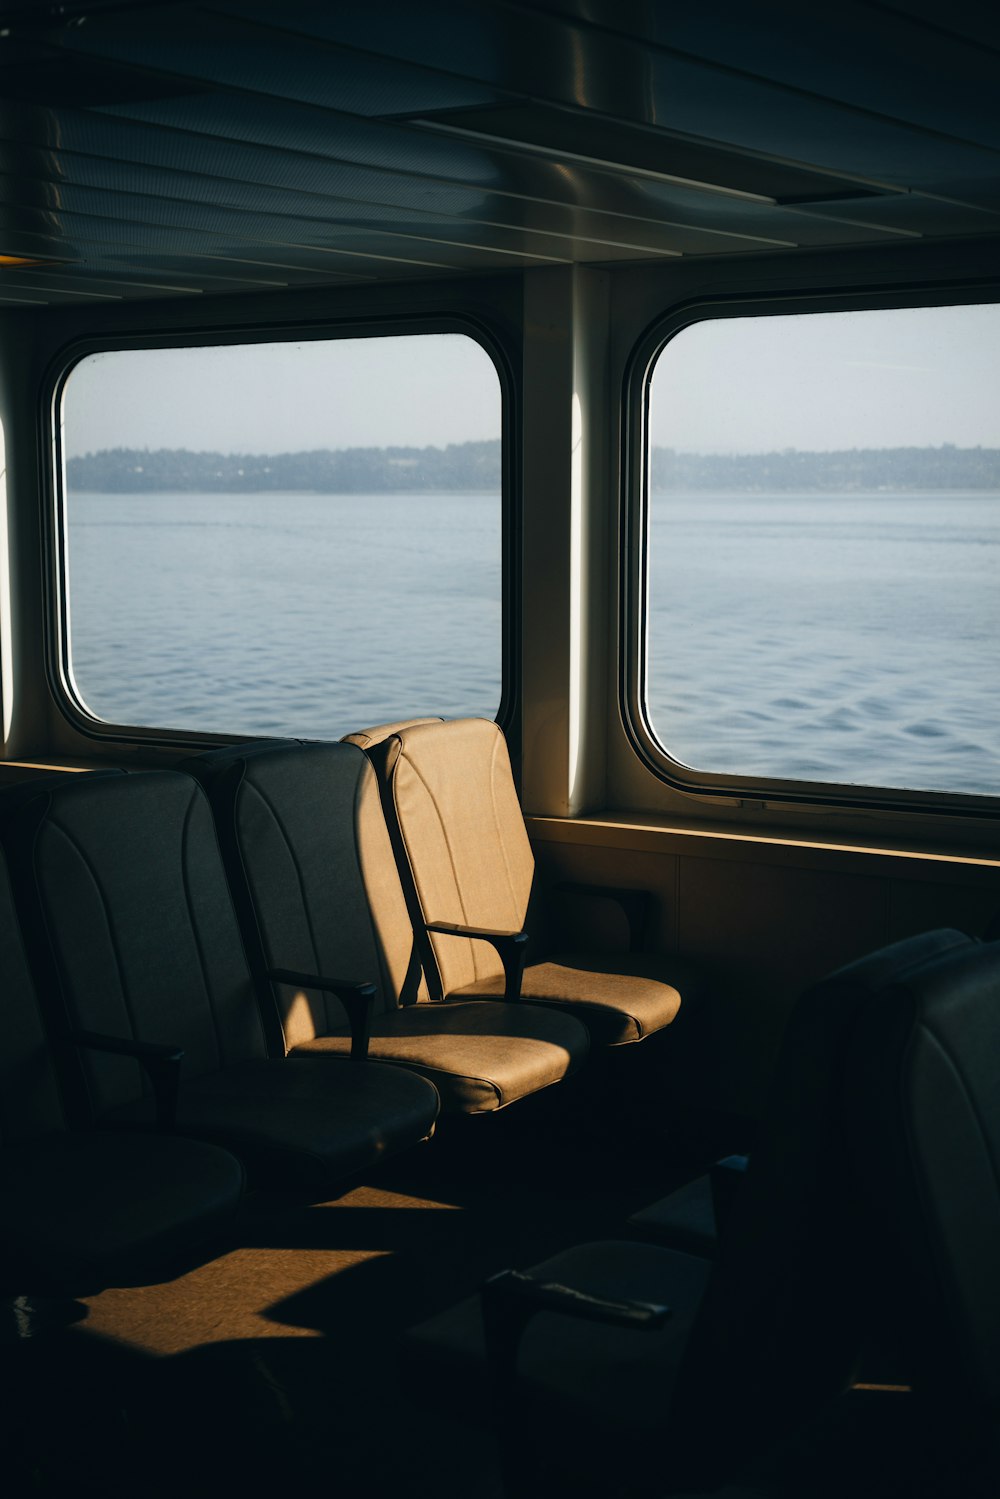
pixel 290 537
pixel 823 542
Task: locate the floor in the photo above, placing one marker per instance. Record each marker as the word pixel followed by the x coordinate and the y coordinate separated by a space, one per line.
pixel 273 1365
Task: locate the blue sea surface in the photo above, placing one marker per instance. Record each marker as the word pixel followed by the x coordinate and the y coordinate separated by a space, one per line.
pixel 298 613
pixel 844 638
pixel 836 638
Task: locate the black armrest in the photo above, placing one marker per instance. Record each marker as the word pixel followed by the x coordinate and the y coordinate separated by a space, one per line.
pixel 725 1177
pixel 511 1298
pixel 356 997
pixel 161 1064
pixel 634 903
pixel 512 947
pixel 519 1287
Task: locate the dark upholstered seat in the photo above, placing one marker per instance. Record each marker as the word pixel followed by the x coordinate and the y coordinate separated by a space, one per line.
pixel 464 857
pixel 93 1208
pixel 133 924
pixel 923 1127
pixel 317 890
pixel 758 1338
pixel 86 1209
pixel 687 1219
pixel 693 1215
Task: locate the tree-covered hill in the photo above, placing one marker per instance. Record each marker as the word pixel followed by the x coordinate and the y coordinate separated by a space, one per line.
pixel 476 466
pixel 856 469
pixel 467 465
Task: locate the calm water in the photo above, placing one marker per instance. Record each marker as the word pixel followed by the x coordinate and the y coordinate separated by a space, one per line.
pixel 837 638
pixel 298 613
pixel 832 638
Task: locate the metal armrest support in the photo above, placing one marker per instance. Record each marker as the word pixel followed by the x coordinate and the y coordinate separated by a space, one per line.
pixel 635 904
pixel 356 996
pixel 725 1177
pixel 511 1298
pixel 161 1064
pixel 512 947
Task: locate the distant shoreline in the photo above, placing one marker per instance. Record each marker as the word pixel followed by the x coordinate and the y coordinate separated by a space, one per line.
pixel 477 467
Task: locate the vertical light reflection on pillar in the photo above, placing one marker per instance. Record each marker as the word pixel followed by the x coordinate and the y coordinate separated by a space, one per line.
pixel 6 654
pixel 575 594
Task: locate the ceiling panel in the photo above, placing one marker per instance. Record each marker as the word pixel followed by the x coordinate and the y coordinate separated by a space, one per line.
pixel 487 167
pixel 643 78
pixel 84 184
pixel 923 217
pixel 267 59
pixel 127 147
pixel 919 64
pixel 166 149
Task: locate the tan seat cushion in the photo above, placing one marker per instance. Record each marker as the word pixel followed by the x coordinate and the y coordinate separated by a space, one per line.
pixel 480 1056
pixel 621 998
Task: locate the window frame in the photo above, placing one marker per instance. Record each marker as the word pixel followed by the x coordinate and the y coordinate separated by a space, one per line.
pixel 752 792
pixel 57 643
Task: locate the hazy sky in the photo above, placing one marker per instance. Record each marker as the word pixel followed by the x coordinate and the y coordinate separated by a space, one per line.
pixel 413 391
pixel 911 377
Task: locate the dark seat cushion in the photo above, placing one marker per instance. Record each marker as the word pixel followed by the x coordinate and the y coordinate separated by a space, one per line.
pixel 84 1211
pixel 614 1380
pixel 303 1125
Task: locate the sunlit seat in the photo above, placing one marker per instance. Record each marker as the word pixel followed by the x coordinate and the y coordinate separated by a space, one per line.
pixel 317 890
pixel 467 867
pixel 131 922
pixel 576 1377
pixel 83 1209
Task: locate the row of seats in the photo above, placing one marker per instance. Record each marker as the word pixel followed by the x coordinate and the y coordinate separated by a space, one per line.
pixel 127 934
pixel 174 937
pixel 316 883
pixel 234 966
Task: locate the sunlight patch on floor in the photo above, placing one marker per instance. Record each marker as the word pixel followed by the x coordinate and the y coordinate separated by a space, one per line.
pixel 284 1261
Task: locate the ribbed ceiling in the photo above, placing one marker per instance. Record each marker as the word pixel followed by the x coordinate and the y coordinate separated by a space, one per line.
pixel 170 149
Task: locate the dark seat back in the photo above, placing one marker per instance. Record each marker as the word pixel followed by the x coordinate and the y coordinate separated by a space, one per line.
pixel 30 1103
pixel 313 873
pixel 128 916
pixel 788 1306
pixel 923 1125
pixel 83 1208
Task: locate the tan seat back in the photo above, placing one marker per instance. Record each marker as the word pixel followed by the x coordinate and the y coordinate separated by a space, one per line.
pixel 452 808
pixel 367 738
